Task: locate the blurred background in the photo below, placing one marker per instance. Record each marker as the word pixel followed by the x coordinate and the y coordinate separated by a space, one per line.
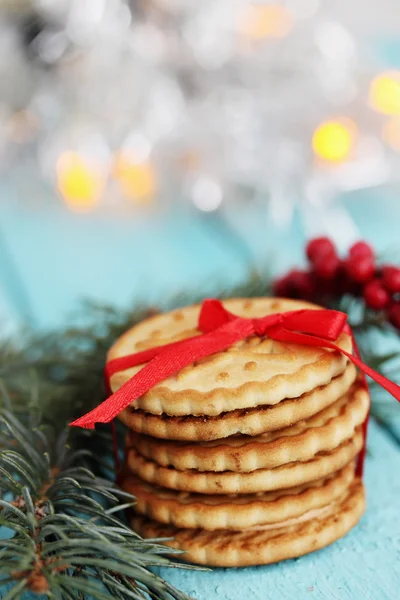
pixel 149 147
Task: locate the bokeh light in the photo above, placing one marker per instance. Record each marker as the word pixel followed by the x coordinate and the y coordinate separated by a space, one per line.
pixel 391 133
pixel 78 181
pixel 334 140
pixel 266 21
pixel 206 193
pixel 384 93
pixel 137 178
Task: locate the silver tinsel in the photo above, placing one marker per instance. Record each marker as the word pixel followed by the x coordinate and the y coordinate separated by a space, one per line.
pixel 115 104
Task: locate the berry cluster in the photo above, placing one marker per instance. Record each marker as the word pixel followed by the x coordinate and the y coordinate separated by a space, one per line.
pixel 330 277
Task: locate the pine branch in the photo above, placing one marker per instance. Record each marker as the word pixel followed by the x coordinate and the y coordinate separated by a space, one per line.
pixel 67 533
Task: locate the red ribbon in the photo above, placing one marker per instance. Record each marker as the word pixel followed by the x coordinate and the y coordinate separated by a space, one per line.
pixel 221 329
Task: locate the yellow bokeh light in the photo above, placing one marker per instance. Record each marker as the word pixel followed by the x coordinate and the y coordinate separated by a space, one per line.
pixel 137 179
pixel 384 93
pixel 79 183
pixel 266 21
pixel 391 133
pixel 334 141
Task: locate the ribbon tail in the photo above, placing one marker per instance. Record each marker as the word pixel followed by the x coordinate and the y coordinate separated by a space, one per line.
pixel 363 452
pixel 103 413
pixel 386 384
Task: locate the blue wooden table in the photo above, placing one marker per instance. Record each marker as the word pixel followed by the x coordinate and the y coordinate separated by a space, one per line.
pixel 365 565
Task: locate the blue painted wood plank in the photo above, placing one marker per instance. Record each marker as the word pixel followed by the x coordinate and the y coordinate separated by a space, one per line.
pixel 388 413
pixel 154 254
pixel 365 565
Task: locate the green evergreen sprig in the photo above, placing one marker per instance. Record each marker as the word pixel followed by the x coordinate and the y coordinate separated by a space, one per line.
pixel 66 535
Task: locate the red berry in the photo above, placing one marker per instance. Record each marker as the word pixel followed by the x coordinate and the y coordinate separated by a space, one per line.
pixel 303 283
pixel 394 315
pixel 391 278
pixel 327 266
pixel 318 247
pixel 360 268
pixel 375 295
pixel 344 284
pixel 296 284
pixel 361 249
pixel 282 287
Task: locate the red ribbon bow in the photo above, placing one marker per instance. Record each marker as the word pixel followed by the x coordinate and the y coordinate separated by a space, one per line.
pixel 221 329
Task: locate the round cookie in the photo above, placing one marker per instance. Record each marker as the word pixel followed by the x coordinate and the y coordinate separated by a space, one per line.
pixel 251 421
pixel 185 510
pixel 254 372
pixel 300 442
pixel 261 480
pixel 224 548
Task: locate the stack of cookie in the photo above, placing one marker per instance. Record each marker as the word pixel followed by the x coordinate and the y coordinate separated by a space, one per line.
pixel 248 456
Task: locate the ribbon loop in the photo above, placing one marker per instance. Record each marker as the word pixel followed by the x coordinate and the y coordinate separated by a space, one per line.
pixel 323 323
pixel 213 314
